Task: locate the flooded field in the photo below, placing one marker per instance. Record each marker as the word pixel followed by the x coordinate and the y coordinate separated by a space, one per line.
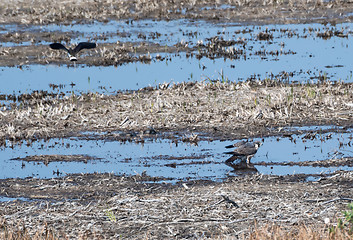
pixel 295 53
pixel 312 153
pixel 129 141
pixel 178 52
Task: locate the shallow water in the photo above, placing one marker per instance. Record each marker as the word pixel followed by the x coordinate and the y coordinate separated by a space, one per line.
pixel 9 199
pixel 138 75
pixel 164 158
pixel 314 57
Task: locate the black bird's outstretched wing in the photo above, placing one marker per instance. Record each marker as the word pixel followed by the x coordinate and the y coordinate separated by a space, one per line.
pixel 84 45
pixel 58 46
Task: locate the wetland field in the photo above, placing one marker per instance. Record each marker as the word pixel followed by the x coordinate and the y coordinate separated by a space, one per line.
pixel 128 142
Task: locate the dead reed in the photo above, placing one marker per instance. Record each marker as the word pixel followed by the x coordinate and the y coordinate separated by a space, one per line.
pixel 20 232
pixel 113 206
pixel 303 232
pixel 267 232
pixel 63 11
pixel 194 106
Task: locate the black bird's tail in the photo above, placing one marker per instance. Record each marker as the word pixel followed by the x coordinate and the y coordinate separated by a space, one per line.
pixel 229 146
pixel 229 153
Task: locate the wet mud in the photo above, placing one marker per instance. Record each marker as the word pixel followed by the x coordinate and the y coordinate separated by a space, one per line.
pixel 45 159
pixel 109 206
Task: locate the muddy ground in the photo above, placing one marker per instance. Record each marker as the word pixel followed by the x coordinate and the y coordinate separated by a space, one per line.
pixel 136 207
pixel 102 206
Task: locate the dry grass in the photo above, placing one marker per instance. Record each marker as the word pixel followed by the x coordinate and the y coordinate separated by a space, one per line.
pixel 112 206
pixel 200 106
pixel 66 11
pixel 11 232
pixel 268 232
pixel 299 233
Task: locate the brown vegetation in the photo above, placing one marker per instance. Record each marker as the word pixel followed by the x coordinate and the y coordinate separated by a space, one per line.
pixel 288 11
pixel 232 109
pixel 109 206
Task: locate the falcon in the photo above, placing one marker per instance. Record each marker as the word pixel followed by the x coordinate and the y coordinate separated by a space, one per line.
pixel 243 151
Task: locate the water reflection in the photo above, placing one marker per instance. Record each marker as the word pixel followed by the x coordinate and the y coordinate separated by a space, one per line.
pixel 313 57
pixel 172 159
pixel 242 168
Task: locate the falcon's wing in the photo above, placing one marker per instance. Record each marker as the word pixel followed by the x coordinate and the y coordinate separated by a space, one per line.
pixel 237 144
pixel 246 151
pixel 58 46
pixel 84 45
pixel 243 151
pixel 242 144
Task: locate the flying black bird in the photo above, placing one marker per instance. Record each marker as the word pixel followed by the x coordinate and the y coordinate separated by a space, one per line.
pixel 244 151
pixel 73 52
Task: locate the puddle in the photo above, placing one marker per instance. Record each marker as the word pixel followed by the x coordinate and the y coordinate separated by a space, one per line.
pixel 10 199
pixel 129 158
pixel 312 178
pixel 165 158
pixel 172 32
pixel 108 79
pixel 138 75
pixel 162 32
pixel 305 147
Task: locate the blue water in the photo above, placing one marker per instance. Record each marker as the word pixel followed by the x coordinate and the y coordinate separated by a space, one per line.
pixel 9 199
pixel 154 156
pixel 313 57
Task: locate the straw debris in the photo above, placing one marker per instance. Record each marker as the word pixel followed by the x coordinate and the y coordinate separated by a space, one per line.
pixel 67 11
pixel 109 206
pixel 229 109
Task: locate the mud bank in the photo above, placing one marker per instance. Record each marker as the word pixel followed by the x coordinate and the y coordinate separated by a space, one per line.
pixel 106 206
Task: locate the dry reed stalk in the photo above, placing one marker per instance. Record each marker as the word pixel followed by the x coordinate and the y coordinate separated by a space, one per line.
pixel 301 232
pixel 66 11
pixel 109 205
pixel 203 106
